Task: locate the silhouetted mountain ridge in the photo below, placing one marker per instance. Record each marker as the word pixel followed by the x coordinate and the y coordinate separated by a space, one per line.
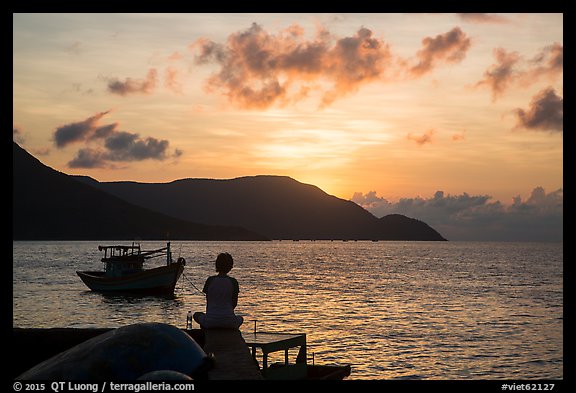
pixel 50 205
pixel 276 206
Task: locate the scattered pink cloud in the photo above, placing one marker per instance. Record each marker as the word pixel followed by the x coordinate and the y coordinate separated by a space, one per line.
pixel 545 113
pixel 511 68
pixel 175 56
pixel 477 17
pixel 501 74
pixel 172 80
pixel 450 47
pixel 134 86
pixel 421 139
pixel 457 137
pixel 548 63
pixel 17 134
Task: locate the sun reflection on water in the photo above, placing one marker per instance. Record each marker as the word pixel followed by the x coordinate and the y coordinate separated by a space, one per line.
pixel 393 310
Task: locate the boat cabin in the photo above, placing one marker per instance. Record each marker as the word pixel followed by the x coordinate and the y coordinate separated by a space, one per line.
pixel 122 260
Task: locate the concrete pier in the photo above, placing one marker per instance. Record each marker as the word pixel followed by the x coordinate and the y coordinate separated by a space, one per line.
pixel 232 357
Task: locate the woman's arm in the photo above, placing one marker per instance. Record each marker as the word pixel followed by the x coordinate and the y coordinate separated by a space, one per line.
pixel 235 291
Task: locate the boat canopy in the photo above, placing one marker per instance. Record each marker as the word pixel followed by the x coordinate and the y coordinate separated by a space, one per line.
pixel 120 253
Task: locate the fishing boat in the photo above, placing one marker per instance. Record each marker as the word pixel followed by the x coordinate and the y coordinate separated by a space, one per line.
pixel 124 271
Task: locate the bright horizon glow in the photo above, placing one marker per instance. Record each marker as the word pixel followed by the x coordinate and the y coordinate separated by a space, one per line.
pixel 403 105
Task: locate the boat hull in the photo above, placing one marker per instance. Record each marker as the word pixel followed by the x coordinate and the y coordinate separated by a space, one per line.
pixel 279 371
pixel 160 280
pixel 315 371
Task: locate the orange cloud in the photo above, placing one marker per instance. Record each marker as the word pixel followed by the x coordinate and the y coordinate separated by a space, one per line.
pixel 259 69
pixel 450 47
pixel 510 68
pixel 421 139
pixel 548 63
pixel 458 137
pixel 501 74
pixel 171 80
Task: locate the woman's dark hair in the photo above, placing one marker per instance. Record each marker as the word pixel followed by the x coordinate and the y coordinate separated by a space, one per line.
pixel 224 263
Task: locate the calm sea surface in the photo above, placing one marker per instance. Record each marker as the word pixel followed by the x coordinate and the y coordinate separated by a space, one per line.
pixel 393 310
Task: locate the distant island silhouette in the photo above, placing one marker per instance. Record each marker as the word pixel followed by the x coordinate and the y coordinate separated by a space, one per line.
pixel 48 204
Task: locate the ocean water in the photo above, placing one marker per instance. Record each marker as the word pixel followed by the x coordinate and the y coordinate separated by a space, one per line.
pixel 393 310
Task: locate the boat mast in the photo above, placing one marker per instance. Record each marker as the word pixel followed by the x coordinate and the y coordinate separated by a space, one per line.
pixel 168 254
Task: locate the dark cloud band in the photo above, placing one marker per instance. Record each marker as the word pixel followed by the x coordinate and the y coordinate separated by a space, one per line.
pixel 115 145
pixel 477 217
pixel 546 112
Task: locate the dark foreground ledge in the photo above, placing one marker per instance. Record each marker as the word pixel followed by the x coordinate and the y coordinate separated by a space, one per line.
pixel 32 346
pixel 232 358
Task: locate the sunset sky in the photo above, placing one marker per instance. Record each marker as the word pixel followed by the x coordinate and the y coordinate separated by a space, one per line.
pixel 449 118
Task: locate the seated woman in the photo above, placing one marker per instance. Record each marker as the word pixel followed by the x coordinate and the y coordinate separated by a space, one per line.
pixel 221 297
